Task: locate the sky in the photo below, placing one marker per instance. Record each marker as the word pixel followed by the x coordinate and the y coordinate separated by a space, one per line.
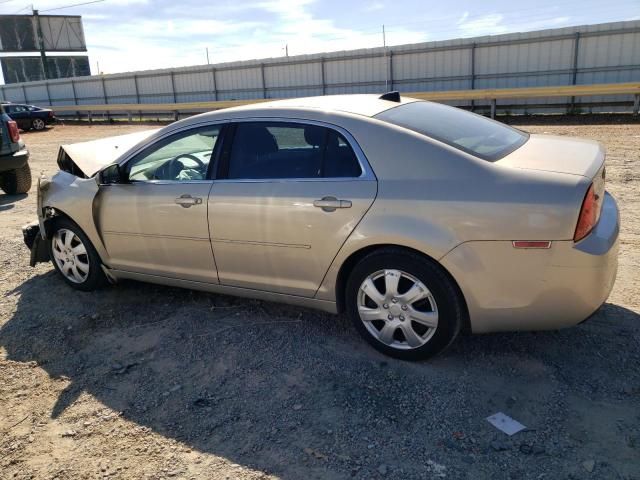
pixel 128 35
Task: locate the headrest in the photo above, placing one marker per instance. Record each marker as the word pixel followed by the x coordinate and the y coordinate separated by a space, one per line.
pixel 314 135
pixel 259 139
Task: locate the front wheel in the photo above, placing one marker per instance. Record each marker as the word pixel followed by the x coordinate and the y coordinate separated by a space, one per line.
pixel 74 257
pixel 404 304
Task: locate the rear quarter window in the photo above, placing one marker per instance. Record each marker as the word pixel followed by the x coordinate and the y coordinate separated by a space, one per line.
pixel 466 131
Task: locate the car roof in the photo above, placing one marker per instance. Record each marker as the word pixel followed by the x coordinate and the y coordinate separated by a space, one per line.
pixel 358 104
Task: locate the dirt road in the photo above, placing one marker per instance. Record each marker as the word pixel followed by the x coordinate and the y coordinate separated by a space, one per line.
pixel 142 381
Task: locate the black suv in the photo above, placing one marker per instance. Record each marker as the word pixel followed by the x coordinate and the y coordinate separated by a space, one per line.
pixel 30 116
pixel 15 174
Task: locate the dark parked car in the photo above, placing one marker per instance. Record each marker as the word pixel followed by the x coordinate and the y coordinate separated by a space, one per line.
pixel 30 116
pixel 15 174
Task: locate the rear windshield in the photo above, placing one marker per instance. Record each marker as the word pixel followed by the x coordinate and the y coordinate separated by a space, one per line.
pixel 474 134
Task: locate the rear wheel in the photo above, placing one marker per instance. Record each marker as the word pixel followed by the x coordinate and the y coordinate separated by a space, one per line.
pixel 38 124
pixel 74 257
pixel 404 304
pixel 16 181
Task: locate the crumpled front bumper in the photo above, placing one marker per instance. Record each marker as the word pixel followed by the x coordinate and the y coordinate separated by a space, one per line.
pixel 35 233
pixel 35 243
pixel 30 232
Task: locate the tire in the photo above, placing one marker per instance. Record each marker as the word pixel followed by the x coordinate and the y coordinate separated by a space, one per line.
pixel 395 324
pixel 16 181
pixel 80 268
pixel 38 124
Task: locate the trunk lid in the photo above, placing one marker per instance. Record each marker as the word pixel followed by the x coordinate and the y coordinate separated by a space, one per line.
pixel 87 158
pixel 551 153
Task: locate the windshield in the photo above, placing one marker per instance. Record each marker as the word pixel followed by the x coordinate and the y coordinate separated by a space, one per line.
pixel 471 133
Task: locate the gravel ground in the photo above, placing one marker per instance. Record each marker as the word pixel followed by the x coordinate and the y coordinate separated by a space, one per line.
pixel 143 381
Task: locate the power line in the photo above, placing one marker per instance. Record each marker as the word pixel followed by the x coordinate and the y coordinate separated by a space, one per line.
pixel 72 5
pixel 30 7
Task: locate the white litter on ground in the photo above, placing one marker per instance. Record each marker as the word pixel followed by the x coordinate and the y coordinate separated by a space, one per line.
pixel 505 423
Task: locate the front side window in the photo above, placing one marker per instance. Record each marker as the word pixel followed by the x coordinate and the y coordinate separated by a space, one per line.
pixel 279 150
pixel 181 157
pixel 471 133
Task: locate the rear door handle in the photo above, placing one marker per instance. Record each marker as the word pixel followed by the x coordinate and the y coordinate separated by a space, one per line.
pixel 186 200
pixel 329 204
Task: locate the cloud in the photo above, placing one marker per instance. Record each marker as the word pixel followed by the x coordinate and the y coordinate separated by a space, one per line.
pixel 489 24
pixel 497 23
pixel 542 24
pixel 374 7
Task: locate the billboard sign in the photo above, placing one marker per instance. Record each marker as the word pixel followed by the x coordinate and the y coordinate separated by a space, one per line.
pixel 60 33
pixel 30 69
pixel 17 34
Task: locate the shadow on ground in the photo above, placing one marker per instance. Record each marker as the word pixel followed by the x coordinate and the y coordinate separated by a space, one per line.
pixel 7 201
pixel 296 393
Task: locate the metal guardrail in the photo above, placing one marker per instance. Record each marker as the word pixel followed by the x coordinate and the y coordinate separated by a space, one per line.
pixel 491 95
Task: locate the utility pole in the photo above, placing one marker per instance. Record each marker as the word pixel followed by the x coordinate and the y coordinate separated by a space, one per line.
pixel 98 66
pixel 384 45
pixel 286 50
pixel 43 55
pixel 207 48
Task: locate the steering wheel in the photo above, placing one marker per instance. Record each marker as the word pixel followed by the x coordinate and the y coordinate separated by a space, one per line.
pixel 172 168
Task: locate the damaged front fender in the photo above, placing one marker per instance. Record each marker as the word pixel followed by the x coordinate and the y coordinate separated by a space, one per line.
pixel 64 195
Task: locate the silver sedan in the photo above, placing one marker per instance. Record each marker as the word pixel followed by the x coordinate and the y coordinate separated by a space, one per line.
pixel 417 219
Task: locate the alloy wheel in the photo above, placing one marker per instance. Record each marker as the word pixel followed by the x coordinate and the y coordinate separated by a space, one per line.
pixel 38 124
pixel 70 254
pixel 397 309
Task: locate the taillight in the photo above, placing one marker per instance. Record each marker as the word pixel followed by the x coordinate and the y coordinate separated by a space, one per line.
pixel 51 113
pixel 589 213
pixel 14 133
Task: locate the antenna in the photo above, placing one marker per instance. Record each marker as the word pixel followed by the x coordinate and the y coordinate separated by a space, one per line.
pixel 393 96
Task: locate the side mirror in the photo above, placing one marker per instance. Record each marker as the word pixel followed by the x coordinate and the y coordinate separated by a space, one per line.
pixel 110 175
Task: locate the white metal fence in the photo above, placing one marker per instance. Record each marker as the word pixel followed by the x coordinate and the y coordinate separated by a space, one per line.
pixel 603 53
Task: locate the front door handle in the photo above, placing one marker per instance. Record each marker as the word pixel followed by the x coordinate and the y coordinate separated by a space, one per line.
pixel 329 204
pixel 186 200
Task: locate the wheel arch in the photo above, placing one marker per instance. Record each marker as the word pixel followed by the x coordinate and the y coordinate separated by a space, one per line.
pixel 49 222
pixel 50 218
pixel 352 260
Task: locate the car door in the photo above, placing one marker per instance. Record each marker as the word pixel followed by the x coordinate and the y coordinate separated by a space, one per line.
pixel 156 221
pixel 289 194
pixel 24 116
pixel 20 115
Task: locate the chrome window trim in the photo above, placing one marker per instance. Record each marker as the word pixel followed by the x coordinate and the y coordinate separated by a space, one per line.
pixel 168 182
pixel 367 172
pixel 297 180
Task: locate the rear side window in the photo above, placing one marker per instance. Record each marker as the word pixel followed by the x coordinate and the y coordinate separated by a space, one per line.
pixel 471 133
pixel 16 109
pixel 275 150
